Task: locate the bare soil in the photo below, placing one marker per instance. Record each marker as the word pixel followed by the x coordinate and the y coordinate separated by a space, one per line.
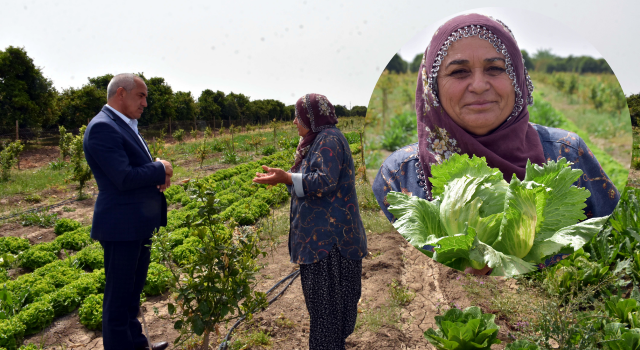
pixel 287 320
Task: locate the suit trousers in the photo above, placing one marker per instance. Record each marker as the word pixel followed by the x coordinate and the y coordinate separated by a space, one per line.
pixel 126 264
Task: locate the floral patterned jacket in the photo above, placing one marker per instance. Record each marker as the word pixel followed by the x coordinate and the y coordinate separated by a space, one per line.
pixel 328 213
pixel 398 173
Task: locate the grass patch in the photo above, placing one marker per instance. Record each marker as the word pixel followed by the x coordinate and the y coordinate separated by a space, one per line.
pixel 33 181
pixel 251 339
pixel 389 314
pixel 373 320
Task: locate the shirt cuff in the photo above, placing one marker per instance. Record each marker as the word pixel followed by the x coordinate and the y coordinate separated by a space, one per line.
pixel 296 179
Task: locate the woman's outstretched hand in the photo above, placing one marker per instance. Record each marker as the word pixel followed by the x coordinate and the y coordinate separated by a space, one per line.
pixel 273 176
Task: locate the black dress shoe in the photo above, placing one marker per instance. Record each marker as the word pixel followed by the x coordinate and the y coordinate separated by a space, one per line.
pixel 156 346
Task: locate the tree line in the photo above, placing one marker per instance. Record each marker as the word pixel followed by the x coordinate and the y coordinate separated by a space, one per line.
pixel 541 61
pixel 29 97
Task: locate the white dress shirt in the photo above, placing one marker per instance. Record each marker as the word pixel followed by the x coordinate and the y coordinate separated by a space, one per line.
pixel 133 123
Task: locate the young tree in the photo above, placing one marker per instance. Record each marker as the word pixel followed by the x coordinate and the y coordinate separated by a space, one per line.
pixel 9 158
pixel 215 286
pixel 64 143
pixel 81 170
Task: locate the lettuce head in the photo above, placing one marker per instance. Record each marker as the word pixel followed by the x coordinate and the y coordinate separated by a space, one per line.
pixel 478 219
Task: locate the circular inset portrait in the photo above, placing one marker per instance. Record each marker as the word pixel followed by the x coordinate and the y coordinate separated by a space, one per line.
pixel 498 155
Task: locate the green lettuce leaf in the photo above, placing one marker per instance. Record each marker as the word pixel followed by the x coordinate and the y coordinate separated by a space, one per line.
pixel 418 220
pixel 491 189
pixel 562 203
pixel 502 264
pixel 574 236
pixel 518 228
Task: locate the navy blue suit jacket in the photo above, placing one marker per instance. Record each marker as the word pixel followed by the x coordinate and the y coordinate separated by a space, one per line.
pixel 129 205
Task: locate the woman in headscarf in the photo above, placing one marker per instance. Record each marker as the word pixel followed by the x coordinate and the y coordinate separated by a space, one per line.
pixel 326 236
pixel 471 98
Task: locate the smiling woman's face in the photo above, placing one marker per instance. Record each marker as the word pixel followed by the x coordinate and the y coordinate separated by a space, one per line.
pixel 473 86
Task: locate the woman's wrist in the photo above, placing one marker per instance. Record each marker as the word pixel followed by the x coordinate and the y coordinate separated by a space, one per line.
pixel 288 181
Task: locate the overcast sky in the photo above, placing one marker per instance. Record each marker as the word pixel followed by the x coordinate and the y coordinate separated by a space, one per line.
pixel 295 47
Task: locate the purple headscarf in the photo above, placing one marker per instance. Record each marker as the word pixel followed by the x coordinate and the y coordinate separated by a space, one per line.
pixel 315 113
pixel 512 143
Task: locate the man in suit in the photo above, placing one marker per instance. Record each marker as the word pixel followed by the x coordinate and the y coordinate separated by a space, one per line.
pixel 129 208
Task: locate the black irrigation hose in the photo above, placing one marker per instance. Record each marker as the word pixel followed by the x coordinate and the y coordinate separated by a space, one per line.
pixel 293 276
pixel 46 207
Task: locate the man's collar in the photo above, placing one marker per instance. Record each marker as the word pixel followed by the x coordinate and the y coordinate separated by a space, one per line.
pixel 126 119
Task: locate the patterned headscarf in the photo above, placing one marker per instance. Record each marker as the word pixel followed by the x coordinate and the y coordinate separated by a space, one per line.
pixel 512 143
pixel 315 113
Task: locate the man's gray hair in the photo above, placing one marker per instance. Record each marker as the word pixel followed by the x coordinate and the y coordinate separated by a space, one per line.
pixel 123 80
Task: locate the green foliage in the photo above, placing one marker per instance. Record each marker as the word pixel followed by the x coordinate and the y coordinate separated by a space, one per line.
pixel 13 245
pixel 211 285
pixel 178 135
pixel 27 96
pixel 160 101
pixel 33 198
pixel 76 105
pixel 414 66
pixel 9 158
pixel 81 171
pixel 400 296
pixel 544 114
pixel 11 333
pixel 288 142
pixel 268 150
pixel 158 278
pixel 38 218
pixel 576 270
pixel 185 105
pixel 462 330
pixel 202 152
pixel 400 132
pixel 66 225
pixel 33 258
pixel 397 64
pixel 230 157
pixel 58 273
pixel 194 134
pixel 91 311
pixel 91 257
pixel 74 240
pixel 36 316
pixel 10 303
pixel 522 345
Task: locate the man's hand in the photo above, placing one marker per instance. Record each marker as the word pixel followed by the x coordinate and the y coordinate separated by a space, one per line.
pixel 168 170
pixel 273 176
pixel 167 183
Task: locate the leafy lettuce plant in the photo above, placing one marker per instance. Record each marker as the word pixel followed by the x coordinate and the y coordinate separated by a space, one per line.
pixel 462 330
pixel 478 219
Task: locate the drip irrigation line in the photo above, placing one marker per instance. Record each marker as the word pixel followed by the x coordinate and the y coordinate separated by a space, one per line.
pixel 45 207
pixel 293 276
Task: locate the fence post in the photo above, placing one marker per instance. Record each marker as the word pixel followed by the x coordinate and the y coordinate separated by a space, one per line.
pixel 18 138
